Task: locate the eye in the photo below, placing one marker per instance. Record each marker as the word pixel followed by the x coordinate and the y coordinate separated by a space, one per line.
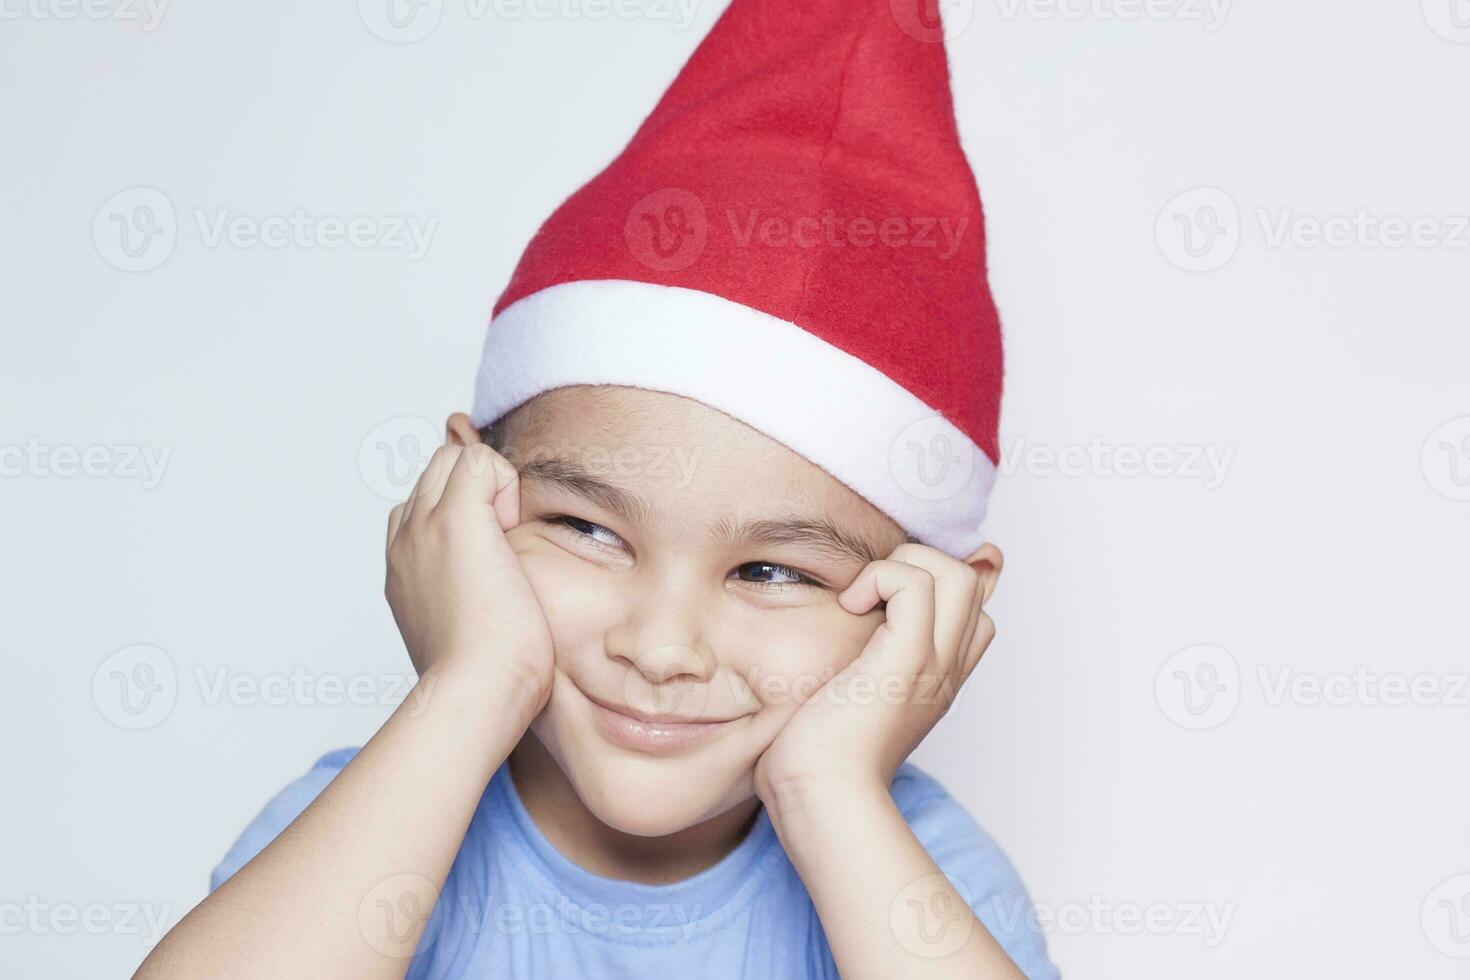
pixel 586 529
pixel 788 576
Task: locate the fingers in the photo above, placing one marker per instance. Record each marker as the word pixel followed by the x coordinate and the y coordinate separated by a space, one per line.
pixel 909 592
pixel 984 634
pixel 968 635
pixel 429 484
pixel 459 476
pixel 482 477
pixel 958 592
pixel 427 491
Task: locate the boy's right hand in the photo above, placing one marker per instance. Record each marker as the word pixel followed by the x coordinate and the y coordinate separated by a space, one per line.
pixel 456 587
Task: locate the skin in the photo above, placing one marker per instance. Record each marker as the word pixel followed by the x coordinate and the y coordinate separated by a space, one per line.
pixel 519 589
pixel 637 607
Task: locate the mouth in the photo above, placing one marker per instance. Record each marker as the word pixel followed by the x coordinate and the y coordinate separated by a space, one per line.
pixel 652 733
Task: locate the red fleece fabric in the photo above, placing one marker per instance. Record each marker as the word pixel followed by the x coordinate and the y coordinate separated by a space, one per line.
pixel 834 118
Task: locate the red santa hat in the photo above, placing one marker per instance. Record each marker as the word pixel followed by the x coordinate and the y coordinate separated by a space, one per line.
pixel 792 237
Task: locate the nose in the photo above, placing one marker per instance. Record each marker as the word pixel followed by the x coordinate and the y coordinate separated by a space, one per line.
pixel 660 636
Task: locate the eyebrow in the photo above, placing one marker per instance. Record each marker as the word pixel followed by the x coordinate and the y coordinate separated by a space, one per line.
pixel 817 533
pixel 813 532
pixel 568 475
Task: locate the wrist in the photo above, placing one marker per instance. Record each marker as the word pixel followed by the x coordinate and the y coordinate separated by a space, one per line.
pixel 797 803
pixel 487 688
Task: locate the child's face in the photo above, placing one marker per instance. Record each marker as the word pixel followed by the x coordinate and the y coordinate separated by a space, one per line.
pixel 664 609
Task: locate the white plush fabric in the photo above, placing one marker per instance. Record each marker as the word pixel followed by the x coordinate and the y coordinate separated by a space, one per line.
pixel 831 407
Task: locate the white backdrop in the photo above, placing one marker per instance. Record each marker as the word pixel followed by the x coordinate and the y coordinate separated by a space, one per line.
pixel 1222 732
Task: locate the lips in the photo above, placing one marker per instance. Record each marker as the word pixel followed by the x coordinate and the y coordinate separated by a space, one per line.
pixel 651 718
pixel 652 733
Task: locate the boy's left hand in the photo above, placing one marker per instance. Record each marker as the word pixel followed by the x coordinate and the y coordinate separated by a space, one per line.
pixel 862 724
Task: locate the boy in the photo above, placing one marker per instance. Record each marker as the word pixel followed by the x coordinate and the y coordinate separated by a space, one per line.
pixel 696 575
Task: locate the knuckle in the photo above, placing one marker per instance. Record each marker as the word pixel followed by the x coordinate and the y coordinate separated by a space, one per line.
pixel 483 460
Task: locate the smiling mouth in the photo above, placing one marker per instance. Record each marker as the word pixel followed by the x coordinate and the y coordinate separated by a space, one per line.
pixel 650 718
pixel 652 733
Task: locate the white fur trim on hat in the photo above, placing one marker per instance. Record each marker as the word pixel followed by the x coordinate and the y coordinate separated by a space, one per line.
pixel 834 409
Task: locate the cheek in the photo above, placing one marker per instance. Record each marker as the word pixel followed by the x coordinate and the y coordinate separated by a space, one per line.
pixel 784 661
pixel 568 595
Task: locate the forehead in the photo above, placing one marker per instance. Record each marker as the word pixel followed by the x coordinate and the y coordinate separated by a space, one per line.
pixel 685 458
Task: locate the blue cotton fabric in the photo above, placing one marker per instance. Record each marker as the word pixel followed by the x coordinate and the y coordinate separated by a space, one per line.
pixel 514 906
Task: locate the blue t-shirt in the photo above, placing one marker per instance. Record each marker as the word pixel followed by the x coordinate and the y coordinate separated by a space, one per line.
pixel 515 906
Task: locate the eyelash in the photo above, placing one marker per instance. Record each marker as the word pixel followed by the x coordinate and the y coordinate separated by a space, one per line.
pixel 802 581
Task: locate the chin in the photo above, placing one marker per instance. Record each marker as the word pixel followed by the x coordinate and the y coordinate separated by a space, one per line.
pixel 644 794
pixel 652 799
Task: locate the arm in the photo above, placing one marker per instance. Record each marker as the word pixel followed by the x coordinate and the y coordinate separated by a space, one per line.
pixel 887 909
pixel 337 892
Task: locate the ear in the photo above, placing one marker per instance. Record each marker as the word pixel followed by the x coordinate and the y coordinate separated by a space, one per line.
pixel 987 560
pixel 460 431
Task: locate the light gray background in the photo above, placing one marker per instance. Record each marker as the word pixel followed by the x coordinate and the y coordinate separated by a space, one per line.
pixel 1333 839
